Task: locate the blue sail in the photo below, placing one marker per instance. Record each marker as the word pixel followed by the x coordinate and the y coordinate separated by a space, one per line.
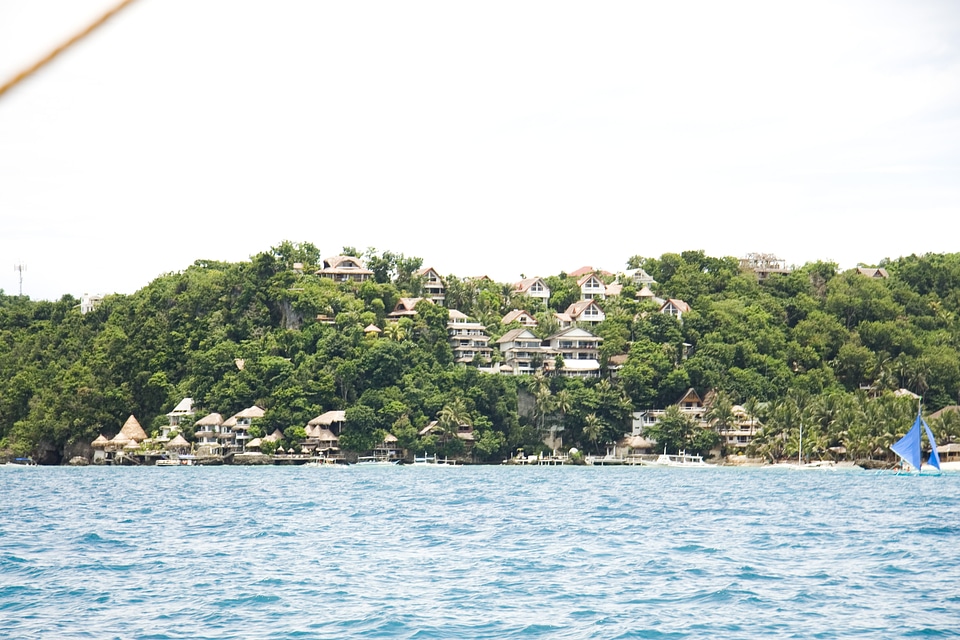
pixel 908 447
pixel 934 458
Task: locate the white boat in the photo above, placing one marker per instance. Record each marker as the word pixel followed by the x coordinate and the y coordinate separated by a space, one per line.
pixel 21 462
pixel 908 448
pixel 681 459
pixel 176 461
pixel 433 461
pixel 326 462
pixel 373 460
pixel 809 466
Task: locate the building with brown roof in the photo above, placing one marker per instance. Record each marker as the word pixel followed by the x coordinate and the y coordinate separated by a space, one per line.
pixel 344 269
pixel 433 287
pixel 535 287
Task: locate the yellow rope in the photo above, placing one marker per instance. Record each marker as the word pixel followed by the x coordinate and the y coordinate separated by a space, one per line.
pixel 23 75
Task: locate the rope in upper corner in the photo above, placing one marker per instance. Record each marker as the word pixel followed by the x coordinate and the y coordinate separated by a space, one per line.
pixel 29 71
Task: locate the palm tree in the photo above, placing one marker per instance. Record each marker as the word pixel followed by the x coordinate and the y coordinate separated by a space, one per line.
pixel 542 396
pixel 395 332
pixel 593 430
pixel 752 408
pixel 720 415
pixel 563 403
pixel 452 415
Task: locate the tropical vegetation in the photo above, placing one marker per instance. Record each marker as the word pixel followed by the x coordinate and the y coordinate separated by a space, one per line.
pixel 816 346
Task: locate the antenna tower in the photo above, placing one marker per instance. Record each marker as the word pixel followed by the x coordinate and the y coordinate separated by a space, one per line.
pixel 20 268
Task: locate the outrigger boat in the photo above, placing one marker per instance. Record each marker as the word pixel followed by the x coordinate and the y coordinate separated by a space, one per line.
pixel 908 448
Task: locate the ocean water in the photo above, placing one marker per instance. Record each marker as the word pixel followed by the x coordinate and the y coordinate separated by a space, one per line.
pixel 477 552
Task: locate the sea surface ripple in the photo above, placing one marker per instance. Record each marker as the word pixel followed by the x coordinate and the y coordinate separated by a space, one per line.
pixel 477 552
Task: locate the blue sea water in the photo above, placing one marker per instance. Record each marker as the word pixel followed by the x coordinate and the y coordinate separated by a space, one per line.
pixel 476 552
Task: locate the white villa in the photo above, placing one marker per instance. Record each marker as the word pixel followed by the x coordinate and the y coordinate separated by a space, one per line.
pixel 534 288
pixel 521 316
pixel 433 287
pixel 592 288
pixel 675 308
pixel 180 413
pixel 641 278
pixel 207 434
pixel 523 352
pixel 583 311
pixel 244 420
pixel 90 302
pixel 690 405
pixel 580 351
pixel 468 339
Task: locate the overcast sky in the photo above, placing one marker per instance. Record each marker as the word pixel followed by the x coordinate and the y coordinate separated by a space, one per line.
pixel 498 138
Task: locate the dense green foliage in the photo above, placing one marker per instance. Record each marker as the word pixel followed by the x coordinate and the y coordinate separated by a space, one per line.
pixel 231 335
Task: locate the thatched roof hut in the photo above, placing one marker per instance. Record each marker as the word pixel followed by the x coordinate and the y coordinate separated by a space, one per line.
pixel 119 440
pixel 325 438
pixel 251 412
pixel 637 443
pixel 178 444
pixel 276 436
pixel 209 420
pixel 133 445
pixel 254 444
pixel 132 429
pixel 328 418
pixel 100 443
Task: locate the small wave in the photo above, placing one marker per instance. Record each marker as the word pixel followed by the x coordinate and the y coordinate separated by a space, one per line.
pixel 257 599
pixel 938 531
pixel 695 548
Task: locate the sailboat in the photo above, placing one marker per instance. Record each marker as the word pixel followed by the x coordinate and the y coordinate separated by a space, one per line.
pixel 908 447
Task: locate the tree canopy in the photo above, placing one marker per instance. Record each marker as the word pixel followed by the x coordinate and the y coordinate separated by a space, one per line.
pixel 67 376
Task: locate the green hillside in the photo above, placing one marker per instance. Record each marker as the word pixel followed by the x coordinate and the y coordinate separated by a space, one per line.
pixel 814 345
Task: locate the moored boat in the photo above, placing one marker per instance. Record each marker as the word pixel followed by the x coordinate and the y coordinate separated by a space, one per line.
pixel 433 461
pixel 21 462
pixel 681 459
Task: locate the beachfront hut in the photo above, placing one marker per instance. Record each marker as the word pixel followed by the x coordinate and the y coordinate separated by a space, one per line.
pixel 179 445
pixel 118 442
pixel 254 445
pixel 100 448
pixel 388 448
pixel 276 436
pixel 636 445
pixel 132 430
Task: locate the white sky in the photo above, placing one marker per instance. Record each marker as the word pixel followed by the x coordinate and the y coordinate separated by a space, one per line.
pixel 498 138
